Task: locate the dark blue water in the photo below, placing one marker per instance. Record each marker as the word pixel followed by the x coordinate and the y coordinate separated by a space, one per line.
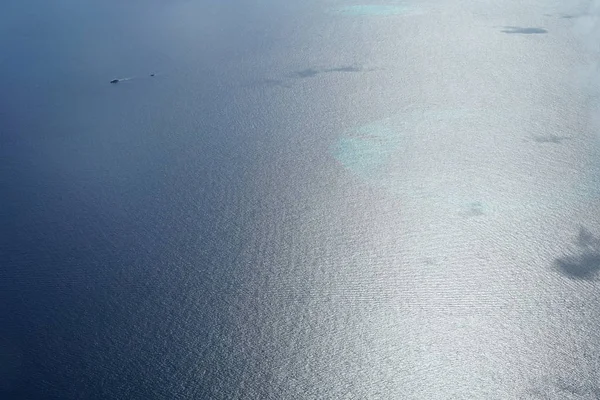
pixel 125 207
pixel 307 200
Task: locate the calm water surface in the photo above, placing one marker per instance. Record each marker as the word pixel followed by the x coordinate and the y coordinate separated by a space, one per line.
pixel 308 200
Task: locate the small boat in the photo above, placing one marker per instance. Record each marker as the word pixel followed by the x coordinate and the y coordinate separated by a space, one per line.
pixel 114 81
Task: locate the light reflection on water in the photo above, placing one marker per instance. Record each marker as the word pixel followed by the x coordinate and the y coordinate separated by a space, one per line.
pixel 385 154
pixel 219 247
pixel 377 10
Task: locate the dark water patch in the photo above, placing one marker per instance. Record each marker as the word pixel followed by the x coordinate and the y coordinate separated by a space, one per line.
pixel 572 388
pixel 568 387
pixel 563 16
pixel 312 72
pixel 585 266
pixel 556 139
pixel 585 263
pixel 306 73
pixel 523 31
pixel 344 69
pixel 302 74
pixel 474 209
pixel 429 261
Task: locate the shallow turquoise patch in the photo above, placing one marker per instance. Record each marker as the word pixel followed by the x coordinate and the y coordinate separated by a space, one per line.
pixel 367 151
pixel 383 154
pixel 377 154
pixel 375 10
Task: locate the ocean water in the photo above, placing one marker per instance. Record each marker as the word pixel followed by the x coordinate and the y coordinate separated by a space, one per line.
pixel 326 199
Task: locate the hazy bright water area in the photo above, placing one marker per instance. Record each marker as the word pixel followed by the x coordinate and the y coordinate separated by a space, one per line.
pixel 322 199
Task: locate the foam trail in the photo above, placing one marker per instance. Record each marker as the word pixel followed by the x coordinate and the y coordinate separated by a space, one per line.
pixel 152 75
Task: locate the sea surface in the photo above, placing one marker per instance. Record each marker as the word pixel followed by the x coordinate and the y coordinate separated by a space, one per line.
pixel 319 199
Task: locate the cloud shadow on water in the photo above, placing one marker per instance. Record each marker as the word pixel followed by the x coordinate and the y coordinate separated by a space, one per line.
pixel 287 82
pixel 306 73
pixel 523 31
pixel 585 263
pixel 566 387
pixel 475 209
pixel 549 139
pixel 563 16
pixel 344 69
pixel 312 72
